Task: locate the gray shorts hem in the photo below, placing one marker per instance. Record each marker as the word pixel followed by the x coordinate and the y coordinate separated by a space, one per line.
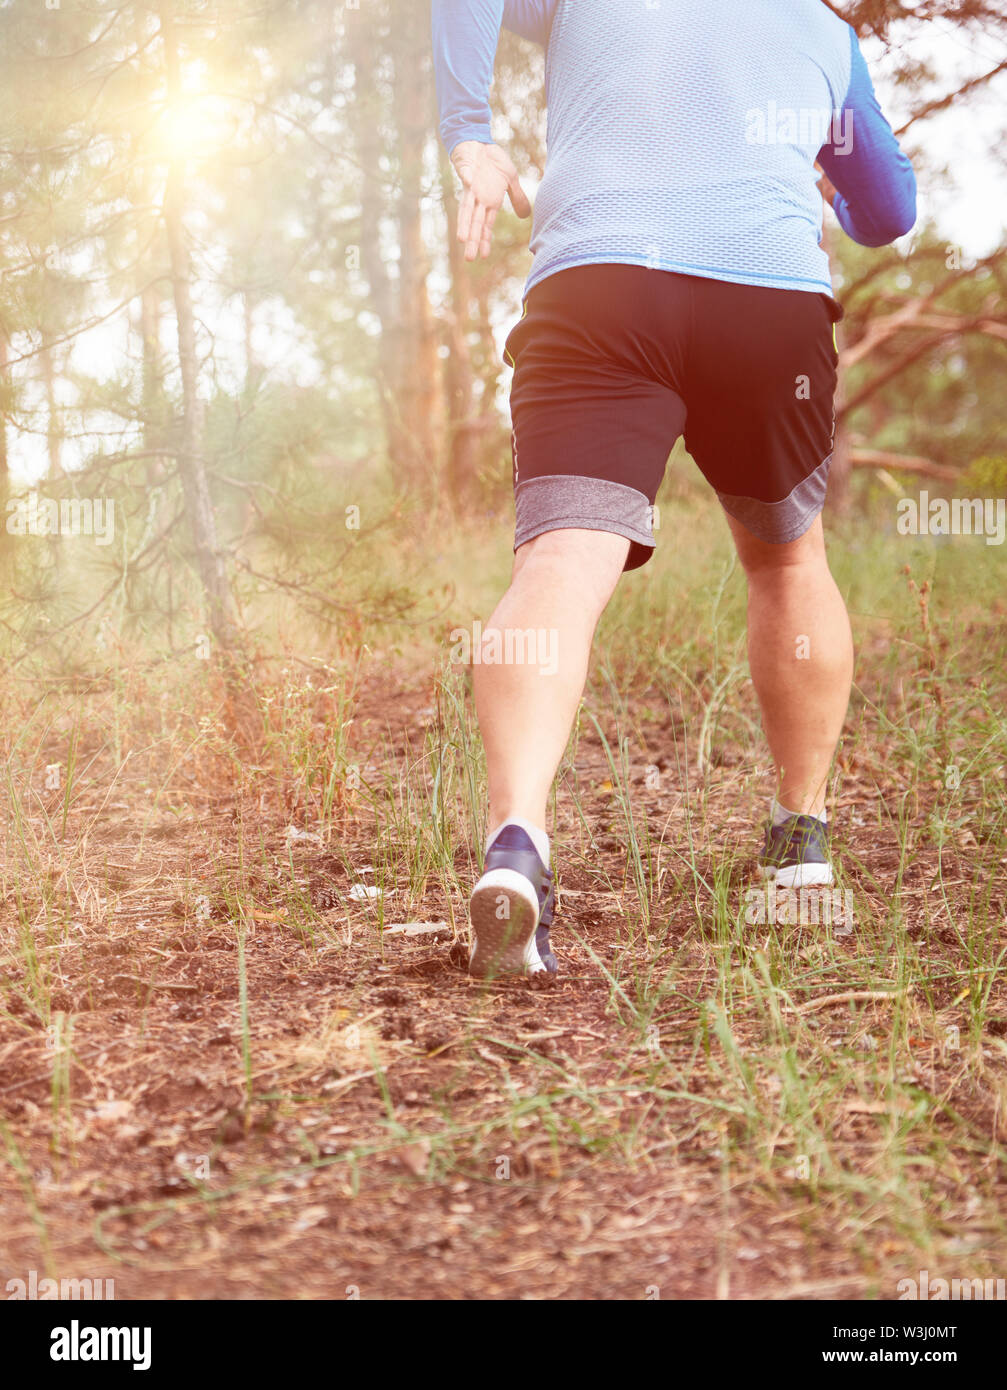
pixel 582 523
pixel 568 502
pixel 777 523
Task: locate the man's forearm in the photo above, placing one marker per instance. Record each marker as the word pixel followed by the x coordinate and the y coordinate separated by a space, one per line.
pixel 876 199
pixel 465 36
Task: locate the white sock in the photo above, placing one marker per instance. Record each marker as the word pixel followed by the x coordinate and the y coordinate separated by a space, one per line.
pixel 534 832
pixel 781 815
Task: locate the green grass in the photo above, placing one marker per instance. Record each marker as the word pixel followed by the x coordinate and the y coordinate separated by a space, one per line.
pixel 871 1126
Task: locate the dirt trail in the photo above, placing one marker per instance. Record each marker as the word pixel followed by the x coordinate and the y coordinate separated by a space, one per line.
pixel 397 1130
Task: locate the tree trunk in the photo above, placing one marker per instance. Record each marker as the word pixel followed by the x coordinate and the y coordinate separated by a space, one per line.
pixel 191 465
pixel 6 400
pixel 153 403
pixel 418 374
pixel 842 454
pixel 151 383
pixel 462 451
pixel 253 368
pixel 408 378
pixel 5 394
pixel 53 434
pixel 365 114
pixel 841 469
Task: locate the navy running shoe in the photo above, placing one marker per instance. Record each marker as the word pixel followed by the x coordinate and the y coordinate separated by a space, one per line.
pixel 796 853
pixel 511 910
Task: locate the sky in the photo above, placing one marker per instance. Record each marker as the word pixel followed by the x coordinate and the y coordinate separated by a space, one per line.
pixel 970 204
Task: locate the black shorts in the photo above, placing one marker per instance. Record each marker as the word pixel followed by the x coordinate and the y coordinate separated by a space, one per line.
pixel 613 363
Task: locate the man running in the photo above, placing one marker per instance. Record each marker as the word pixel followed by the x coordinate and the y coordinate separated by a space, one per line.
pixel 679 287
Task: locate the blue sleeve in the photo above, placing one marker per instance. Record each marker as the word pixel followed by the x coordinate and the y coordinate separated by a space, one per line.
pixel 874 180
pixel 465 36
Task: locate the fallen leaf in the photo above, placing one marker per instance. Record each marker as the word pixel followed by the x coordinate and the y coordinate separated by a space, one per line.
pixel 414 1157
pixel 361 891
pixel 112 1110
pixel 415 928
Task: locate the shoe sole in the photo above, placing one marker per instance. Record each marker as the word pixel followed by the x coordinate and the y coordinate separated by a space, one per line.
pixel 504 936
pixel 799 875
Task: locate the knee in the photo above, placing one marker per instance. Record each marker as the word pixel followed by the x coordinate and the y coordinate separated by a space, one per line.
pixel 763 561
pixel 587 562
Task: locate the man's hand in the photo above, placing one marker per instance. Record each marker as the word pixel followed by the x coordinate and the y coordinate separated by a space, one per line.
pixel 488 174
pixel 826 188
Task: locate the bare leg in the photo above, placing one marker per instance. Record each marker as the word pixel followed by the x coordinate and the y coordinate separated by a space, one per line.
pixel 561 583
pixel 800 650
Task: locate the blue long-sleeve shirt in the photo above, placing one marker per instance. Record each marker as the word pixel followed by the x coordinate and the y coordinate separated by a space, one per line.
pixel 684 135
